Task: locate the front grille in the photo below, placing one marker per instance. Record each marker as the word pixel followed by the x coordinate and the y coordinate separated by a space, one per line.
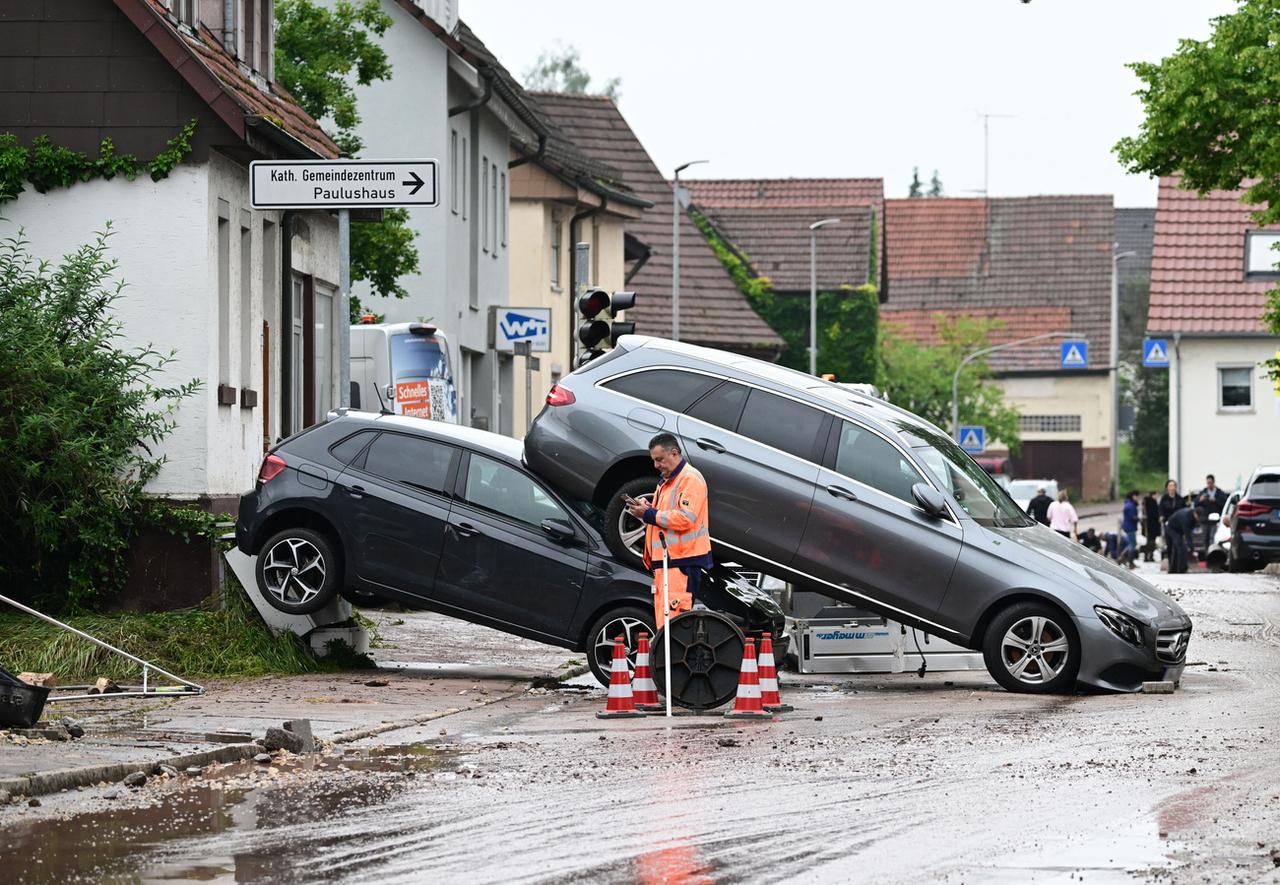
pixel 1171 645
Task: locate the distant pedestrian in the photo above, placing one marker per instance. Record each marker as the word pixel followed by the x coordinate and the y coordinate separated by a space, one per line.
pixel 1062 516
pixel 1170 502
pixel 1177 537
pixel 1089 538
pixel 1129 522
pixel 1210 500
pixel 1038 507
pixel 1150 525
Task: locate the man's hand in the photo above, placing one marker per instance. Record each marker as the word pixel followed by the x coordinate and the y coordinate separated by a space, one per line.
pixel 637 508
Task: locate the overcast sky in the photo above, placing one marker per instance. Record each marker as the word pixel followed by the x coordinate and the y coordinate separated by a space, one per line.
pixel 866 88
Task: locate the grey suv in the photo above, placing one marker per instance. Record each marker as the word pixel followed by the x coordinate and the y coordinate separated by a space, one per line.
pixel 850 496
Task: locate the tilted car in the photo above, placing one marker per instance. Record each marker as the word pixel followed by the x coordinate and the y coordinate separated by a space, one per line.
pixel 448 519
pixel 855 498
pixel 1255 524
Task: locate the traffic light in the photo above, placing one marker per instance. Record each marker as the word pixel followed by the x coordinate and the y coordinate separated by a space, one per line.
pixel 594 304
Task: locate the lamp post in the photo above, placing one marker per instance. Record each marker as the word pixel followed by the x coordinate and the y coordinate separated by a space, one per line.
pixel 675 248
pixel 955 379
pixel 1114 370
pixel 813 290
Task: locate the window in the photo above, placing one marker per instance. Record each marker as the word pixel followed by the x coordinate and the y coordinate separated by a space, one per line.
pixel 323 331
pixel 411 460
pixel 1049 423
pixel 224 292
pixel 345 451
pixel 555 252
pixel 1235 387
pixel 464 178
pixel 484 204
pixel 1259 255
pixel 506 491
pixel 669 388
pixel 722 406
pixel 247 33
pixel 298 417
pixel 872 461
pixel 455 176
pixel 493 211
pixel 246 302
pixel 784 424
pixel 505 209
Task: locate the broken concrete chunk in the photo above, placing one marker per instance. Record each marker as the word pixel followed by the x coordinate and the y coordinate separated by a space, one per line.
pixel 302 728
pixel 135 779
pixel 73 726
pixel 194 770
pixel 263 758
pixel 104 686
pixel 1158 687
pixel 279 739
pixel 48 680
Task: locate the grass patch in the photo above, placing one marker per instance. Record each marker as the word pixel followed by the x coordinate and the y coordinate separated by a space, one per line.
pixel 204 643
pixel 1133 478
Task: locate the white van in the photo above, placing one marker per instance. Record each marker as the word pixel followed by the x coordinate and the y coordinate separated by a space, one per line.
pixel 405 368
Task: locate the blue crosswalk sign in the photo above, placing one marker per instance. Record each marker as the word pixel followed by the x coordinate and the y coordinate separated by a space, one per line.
pixel 1155 353
pixel 1075 354
pixel 973 438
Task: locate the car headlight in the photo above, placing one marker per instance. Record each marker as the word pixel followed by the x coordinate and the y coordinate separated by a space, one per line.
pixel 1124 626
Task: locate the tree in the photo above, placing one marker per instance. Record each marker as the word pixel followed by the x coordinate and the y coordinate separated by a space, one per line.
pixel 560 70
pixel 916 186
pixel 935 185
pixel 1150 390
pixel 918 378
pixel 317 51
pixel 1212 115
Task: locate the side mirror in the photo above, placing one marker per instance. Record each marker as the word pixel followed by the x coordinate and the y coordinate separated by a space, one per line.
pixel 391 391
pixel 929 499
pixel 559 529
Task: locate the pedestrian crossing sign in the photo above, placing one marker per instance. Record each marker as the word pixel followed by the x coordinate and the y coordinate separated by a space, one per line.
pixel 1155 353
pixel 1075 354
pixel 973 438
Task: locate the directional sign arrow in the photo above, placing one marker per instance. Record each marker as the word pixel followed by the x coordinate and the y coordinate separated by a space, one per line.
pixel 417 183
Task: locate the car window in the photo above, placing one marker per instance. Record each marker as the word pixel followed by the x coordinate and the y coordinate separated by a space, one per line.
pixel 1265 485
pixel 346 451
pixel 505 490
pixel 412 460
pixel 785 424
pixel 863 456
pixel 722 406
pixel 669 388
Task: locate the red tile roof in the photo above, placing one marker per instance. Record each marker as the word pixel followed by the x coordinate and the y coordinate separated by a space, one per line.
pixel 922 326
pixel 724 193
pixel 1197 265
pixel 1007 258
pixel 713 311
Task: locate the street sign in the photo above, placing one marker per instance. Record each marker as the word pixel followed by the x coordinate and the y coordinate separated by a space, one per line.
pixel 530 325
pixel 973 438
pixel 1155 353
pixel 343 184
pixel 1075 354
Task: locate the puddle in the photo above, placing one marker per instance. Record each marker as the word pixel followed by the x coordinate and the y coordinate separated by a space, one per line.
pixel 1125 848
pixel 120 840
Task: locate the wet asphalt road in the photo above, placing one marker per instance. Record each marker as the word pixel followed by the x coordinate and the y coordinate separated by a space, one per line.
pixel 873 778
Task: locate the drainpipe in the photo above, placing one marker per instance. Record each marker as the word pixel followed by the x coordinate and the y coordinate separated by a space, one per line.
pixel 531 158
pixel 229 27
pixel 286 322
pixel 1177 415
pixel 573 269
pixel 481 99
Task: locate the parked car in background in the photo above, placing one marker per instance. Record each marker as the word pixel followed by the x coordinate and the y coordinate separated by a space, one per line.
pixel 1023 490
pixel 1255 525
pixel 854 498
pixel 447 518
pixel 405 369
pixel 1220 543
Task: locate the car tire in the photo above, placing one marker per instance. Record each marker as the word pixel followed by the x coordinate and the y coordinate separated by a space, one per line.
pixel 620 527
pixel 626 621
pixel 1032 648
pixel 295 552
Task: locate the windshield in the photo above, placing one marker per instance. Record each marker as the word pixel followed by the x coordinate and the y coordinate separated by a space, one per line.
pixel 1027 488
pixel 961 477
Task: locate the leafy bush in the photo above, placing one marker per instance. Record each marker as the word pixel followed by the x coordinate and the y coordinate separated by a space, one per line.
pixel 79 416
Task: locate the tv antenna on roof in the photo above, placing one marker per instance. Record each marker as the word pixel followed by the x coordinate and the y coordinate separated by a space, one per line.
pixel 986 147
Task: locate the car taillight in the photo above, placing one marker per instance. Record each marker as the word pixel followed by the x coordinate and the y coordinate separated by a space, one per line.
pixel 560 396
pixel 1251 508
pixel 271 467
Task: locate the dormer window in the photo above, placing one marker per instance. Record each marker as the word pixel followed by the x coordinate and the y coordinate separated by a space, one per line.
pixel 1260 256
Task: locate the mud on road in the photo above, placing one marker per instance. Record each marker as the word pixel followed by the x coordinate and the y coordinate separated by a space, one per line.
pixel 884 778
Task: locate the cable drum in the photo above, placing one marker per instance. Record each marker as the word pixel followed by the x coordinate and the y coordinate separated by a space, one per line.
pixel 706 651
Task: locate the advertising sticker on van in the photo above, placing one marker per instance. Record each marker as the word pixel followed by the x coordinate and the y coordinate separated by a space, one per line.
pixel 413 398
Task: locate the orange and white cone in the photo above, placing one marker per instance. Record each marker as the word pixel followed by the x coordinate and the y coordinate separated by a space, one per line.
pixel 621 703
pixel 769 697
pixel 747 704
pixel 643 687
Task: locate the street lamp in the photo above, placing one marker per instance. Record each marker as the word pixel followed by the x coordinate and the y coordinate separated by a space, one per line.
pixel 675 249
pixel 955 379
pixel 1115 377
pixel 813 291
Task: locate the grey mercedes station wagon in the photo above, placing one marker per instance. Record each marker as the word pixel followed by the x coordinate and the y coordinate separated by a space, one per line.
pixel 855 498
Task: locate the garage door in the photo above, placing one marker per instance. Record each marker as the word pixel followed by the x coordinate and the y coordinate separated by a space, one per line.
pixel 1063 461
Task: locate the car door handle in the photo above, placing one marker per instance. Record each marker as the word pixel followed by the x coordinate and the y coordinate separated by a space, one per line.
pixel 466 529
pixel 711 445
pixel 842 492
pixel 355 491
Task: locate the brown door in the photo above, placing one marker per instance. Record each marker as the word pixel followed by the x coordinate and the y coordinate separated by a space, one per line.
pixel 1063 461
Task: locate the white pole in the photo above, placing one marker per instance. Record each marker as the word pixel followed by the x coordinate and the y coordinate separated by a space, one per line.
pixel 344 308
pixel 813 291
pixel 1113 360
pixel 675 248
pixel 666 623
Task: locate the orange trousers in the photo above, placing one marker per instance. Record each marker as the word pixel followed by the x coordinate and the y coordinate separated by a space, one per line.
pixel 680 599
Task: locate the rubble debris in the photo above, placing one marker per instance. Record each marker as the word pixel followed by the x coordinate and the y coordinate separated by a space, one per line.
pixel 45 680
pixel 279 739
pixel 302 728
pixel 104 686
pixel 135 779
pixel 73 726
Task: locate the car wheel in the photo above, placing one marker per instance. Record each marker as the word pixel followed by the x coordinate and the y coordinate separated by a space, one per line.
pixel 1032 647
pixel 623 532
pixel 627 622
pixel 298 571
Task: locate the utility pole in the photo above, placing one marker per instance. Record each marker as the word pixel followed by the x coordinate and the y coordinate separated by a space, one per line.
pixel 676 209
pixel 813 290
pixel 986 148
pixel 1114 370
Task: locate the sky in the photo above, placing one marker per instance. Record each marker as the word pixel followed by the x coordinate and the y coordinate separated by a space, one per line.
pixel 870 88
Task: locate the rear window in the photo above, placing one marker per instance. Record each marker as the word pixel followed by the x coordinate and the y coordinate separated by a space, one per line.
pixel 347 450
pixel 1267 485
pixel 669 388
pixel 416 357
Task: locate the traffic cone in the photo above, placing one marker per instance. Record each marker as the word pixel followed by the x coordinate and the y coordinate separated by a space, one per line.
pixel 769 697
pixel 747 704
pixel 621 704
pixel 642 686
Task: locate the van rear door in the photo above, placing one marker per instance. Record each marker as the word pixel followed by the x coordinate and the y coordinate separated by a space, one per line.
pixel 422 377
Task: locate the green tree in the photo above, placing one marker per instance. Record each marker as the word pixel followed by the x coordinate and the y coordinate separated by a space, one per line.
pixel 1150 444
pixel 918 378
pixel 321 54
pixel 935 185
pixel 79 417
pixel 560 70
pixel 1212 115
pixel 917 187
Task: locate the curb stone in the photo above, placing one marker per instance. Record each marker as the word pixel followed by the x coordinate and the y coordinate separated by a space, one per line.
pixel 69 778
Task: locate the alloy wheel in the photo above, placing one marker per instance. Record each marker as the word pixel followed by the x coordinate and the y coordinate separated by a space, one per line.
pixel 1035 650
pixel 294 571
pixel 629 629
pixel 631 530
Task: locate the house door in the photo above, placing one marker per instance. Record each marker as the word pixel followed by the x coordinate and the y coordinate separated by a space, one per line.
pixel 1063 461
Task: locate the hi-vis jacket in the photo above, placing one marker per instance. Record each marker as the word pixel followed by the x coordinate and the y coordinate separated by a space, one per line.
pixel 679 509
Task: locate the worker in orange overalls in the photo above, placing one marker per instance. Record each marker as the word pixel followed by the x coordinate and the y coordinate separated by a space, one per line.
pixel 680 511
